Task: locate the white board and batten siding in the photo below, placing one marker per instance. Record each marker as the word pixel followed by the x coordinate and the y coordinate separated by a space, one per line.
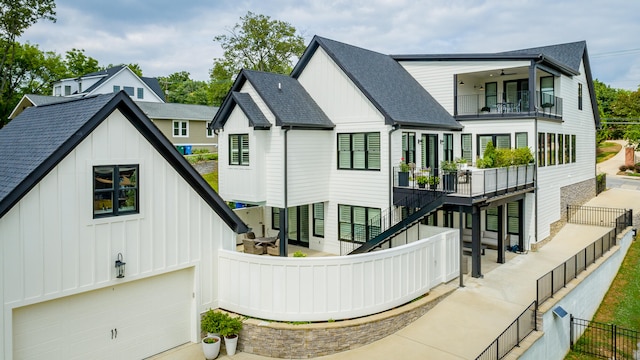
pixel 54 248
pixel 338 287
pixel 310 156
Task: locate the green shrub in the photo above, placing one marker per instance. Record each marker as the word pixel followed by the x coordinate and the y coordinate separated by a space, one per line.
pixel 230 325
pixel 212 321
pixel 299 254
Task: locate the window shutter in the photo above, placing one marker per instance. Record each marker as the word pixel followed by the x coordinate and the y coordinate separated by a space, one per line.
pixel 492 219
pixel 503 142
pixel 513 217
pixel 521 140
pixel 245 149
pixel 234 145
pixel 467 153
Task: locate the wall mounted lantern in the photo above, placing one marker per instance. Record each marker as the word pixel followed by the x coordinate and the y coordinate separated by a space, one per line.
pixel 120 266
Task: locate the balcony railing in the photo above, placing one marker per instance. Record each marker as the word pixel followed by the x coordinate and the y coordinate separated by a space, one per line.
pixel 503 105
pixel 470 182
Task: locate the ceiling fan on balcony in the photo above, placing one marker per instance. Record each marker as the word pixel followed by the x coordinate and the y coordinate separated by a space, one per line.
pixel 502 73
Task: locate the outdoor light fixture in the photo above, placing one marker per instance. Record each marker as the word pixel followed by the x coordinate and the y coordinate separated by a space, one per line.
pixel 461 82
pixel 559 312
pixel 120 266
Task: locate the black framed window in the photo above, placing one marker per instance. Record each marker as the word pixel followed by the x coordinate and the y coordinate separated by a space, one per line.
pixel 466 146
pixel 468 223
pixel 239 149
pixel 275 218
pixel 560 149
pixel 447 147
pixel 567 148
pixel 547 98
pixel 491 95
pixel 447 218
pixel 579 96
pixel 409 147
pixel 551 149
pixel 522 140
pixel 431 219
pixel 541 144
pixel 318 219
pixel 359 151
pixel 358 223
pixel 501 141
pixel 491 219
pixel 115 190
pixel 513 218
pixel 573 148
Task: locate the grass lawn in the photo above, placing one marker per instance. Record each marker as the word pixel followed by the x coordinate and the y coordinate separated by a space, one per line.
pixel 212 179
pixel 606 150
pixel 621 304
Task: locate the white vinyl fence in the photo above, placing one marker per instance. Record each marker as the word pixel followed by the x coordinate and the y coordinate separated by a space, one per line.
pixel 336 287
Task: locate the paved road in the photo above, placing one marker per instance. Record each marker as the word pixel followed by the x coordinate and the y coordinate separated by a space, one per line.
pixel 611 167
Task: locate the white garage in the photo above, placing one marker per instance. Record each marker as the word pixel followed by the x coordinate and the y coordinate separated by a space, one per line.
pixel 103 185
pixel 129 321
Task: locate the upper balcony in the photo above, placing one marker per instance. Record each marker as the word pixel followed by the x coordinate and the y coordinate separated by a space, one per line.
pixel 507 93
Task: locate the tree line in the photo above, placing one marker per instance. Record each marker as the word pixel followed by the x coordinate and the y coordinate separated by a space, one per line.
pixel 257 42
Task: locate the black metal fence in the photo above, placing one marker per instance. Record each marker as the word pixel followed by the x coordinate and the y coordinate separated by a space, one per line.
pixel 608 341
pixel 556 279
pixel 600 216
pixel 524 325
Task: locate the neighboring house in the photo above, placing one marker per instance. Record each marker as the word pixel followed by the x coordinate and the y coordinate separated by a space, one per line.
pixel 325 144
pixel 64 226
pixel 109 81
pixel 185 125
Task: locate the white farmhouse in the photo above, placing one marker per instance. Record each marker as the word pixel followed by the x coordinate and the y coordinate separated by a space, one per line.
pixel 319 155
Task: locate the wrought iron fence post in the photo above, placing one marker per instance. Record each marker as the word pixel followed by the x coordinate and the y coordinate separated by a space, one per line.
pixel 613 341
pixel 571 333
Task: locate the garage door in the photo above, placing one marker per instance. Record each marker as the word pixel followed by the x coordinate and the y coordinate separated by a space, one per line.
pixel 129 321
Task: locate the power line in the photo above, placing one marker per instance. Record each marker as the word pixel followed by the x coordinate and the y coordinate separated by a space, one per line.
pixel 616 52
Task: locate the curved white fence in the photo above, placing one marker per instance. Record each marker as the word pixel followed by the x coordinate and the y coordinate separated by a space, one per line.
pixel 337 287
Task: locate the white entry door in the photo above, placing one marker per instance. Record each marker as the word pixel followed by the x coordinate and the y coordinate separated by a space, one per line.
pixel 128 321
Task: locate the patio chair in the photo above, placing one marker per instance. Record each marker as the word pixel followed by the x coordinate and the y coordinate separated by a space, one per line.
pixel 250 247
pixel 274 249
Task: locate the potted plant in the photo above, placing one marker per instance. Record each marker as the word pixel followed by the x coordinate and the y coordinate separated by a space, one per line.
pixel 422 181
pixel 211 322
pixel 485 110
pixel 211 347
pixel 450 174
pixel 230 328
pixel 433 181
pixel 403 173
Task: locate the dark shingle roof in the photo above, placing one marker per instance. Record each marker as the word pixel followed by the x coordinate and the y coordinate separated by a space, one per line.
pixel 251 109
pixel 396 94
pixel 175 111
pixel 289 102
pixel 569 55
pixel 33 143
pixel 39 100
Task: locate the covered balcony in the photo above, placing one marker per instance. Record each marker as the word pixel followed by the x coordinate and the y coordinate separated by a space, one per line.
pixel 510 92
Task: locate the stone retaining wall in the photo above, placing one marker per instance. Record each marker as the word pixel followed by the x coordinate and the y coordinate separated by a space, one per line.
pixel 285 340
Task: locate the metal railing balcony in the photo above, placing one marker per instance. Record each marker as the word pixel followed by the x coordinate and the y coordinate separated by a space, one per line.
pixel 509 105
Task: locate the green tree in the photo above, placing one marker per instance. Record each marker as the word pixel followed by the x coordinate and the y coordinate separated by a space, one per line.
pixel 180 88
pixel 133 67
pixel 80 64
pixel 256 43
pixel 15 17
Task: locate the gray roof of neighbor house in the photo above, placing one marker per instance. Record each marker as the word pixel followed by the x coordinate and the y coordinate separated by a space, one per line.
pixel 173 111
pixel 394 92
pixel 107 73
pixel 289 102
pixel 33 143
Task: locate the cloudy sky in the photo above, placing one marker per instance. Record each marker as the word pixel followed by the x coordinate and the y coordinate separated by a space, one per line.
pixel 166 36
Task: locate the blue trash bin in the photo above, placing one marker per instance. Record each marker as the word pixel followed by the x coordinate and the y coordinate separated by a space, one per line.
pixel 187 150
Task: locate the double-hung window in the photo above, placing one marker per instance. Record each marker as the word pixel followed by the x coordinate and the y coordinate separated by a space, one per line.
pixel 210 132
pixel 239 149
pixel 357 223
pixel 491 219
pixel 447 147
pixel 115 190
pixel 502 141
pixel 547 98
pixel 318 219
pixel 551 149
pixel 140 93
pixel 180 128
pixel 541 142
pixel 467 152
pixel 359 151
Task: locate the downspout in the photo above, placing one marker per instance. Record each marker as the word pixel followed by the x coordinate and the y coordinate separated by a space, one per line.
pixel 532 90
pixel 284 218
pixel 393 128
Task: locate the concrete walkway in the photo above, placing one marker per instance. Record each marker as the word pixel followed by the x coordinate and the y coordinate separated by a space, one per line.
pixel 466 322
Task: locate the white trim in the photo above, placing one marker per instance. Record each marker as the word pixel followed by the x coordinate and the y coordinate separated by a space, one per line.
pixel 173 129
